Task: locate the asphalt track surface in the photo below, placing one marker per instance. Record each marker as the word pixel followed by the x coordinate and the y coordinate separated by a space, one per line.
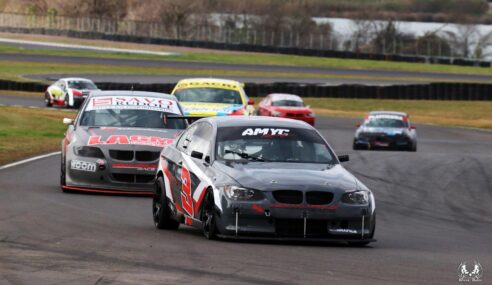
pixel 433 211
pixel 380 77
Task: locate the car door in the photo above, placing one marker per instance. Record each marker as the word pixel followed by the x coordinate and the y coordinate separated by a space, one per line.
pixel 194 180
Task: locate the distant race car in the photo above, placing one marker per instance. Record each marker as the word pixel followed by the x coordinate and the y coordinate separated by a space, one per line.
pixel 113 145
pixel 260 178
pixel 386 130
pixel 204 97
pixel 69 92
pixel 286 106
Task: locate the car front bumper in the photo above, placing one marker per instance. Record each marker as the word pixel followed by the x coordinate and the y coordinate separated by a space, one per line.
pixel 337 222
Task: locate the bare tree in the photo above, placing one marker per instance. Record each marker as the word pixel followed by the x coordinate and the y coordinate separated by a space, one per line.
pixel 462 38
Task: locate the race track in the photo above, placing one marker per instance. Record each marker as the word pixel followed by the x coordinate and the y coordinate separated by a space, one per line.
pixel 433 211
pixel 340 75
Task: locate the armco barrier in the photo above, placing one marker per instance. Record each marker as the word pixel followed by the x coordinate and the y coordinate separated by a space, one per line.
pixel 249 47
pixel 432 91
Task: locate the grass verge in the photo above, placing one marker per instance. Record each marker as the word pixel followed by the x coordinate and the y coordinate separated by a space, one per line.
pixel 472 114
pixel 27 132
pixel 14 70
pixel 263 59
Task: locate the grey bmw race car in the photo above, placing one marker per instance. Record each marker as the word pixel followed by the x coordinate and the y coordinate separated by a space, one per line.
pixel 262 178
pixel 113 145
pixel 386 130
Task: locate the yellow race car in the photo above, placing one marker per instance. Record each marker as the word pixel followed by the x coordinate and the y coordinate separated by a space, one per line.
pixel 205 97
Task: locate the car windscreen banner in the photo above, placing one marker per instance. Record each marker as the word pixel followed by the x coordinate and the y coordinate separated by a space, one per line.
pixel 133 103
pixel 245 133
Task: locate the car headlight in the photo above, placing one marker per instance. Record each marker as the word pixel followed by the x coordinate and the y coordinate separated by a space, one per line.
pixel 276 114
pixel 239 193
pixel 356 197
pixel 310 115
pixel 88 151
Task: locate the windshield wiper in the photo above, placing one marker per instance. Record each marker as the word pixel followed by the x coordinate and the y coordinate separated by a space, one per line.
pixel 245 155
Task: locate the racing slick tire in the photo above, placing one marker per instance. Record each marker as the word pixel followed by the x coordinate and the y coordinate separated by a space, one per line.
pixel 66 103
pixel 160 208
pixel 413 147
pixel 355 146
pixel 63 177
pixel 47 100
pixel 209 216
pixel 371 235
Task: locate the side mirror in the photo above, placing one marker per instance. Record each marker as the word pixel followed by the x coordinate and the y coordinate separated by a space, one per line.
pixel 67 121
pixel 196 154
pixel 251 102
pixel 207 159
pixel 308 106
pixel 413 127
pixel 343 158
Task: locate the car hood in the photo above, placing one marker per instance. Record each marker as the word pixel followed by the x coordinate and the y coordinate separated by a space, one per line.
pixel 125 138
pixel 209 109
pixel 290 176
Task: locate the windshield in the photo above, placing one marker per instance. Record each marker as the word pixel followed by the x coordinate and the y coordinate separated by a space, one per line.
pixel 82 84
pixel 272 145
pixel 288 103
pixel 209 95
pixel 132 112
pixel 386 122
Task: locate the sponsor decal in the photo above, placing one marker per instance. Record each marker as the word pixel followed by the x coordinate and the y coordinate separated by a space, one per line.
pixel 390 117
pixel 470 272
pixel 138 166
pixel 344 231
pixel 130 140
pixel 186 199
pixel 83 165
pixel 133 103
pixel 266 132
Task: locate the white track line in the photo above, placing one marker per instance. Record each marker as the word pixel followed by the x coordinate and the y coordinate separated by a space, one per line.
pixel 29 160
pixel 84 47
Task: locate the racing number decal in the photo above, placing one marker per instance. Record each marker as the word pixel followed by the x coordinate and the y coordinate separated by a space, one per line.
pixel 186 199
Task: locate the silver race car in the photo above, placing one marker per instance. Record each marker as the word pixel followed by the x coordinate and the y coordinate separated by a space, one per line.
pixel 260 177
pixel 113 145
pixel 69 92
pixel 386 130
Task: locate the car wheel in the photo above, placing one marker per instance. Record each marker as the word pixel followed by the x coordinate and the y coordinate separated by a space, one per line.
pixel 355 146
pixel 371 235
pixel 47 100
pixel 209 217
pixel 160 208
pixel 413 147
pixel 65 102
pixel 63 177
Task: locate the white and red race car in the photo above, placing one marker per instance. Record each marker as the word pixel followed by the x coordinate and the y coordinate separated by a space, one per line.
pixel 69 92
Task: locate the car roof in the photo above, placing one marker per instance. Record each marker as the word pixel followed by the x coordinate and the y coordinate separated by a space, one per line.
pixel 285 96
pixel 213 82
pixel 260 121
pixel 374 113
pixel 132 93
pixel 75 79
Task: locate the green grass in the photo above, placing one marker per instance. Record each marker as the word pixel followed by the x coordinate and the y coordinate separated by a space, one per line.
pixel 474 114
pixel 26 132
pixel 14 70
pixel 264 59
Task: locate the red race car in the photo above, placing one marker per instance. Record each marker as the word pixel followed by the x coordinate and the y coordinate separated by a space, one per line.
pixel 286 106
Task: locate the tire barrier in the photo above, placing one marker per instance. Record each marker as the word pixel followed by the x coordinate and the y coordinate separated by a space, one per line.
pixel 250 47
pixel 431 91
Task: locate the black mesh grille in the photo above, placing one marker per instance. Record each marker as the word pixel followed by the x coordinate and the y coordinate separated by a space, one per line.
pixel 288 196
pixel 289 227
pixel 121 154
pixel 127 178
pixel 319 198
pixel 141 178
pixel 146 155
